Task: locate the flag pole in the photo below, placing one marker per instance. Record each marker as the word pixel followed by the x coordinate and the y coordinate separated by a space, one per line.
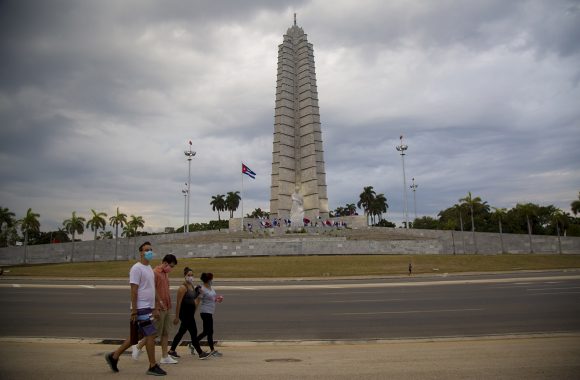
pixel 242 198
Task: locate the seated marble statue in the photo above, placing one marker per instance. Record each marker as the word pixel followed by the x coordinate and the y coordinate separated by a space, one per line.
pixel 297 210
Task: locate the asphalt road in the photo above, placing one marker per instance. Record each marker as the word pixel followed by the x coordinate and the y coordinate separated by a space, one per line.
pixel 419 307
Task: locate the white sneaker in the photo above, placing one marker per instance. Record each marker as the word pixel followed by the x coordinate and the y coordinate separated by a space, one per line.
pixel 136 352
pixel 168 360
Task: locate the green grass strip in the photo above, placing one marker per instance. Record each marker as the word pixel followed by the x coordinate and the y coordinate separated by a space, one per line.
pixel 314 266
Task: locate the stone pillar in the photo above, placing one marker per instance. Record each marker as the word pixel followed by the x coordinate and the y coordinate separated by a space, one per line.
pixel 297 155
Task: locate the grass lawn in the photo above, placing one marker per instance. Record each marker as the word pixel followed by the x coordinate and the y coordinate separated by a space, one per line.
pixel 314 266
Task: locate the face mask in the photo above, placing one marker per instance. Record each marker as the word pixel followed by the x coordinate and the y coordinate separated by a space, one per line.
pixel 148 255
pixel 167 269
pixel 210 283
pixel 189 279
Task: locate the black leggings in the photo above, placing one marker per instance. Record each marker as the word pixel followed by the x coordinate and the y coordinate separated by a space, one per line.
pixel 187 324
pixel 207 319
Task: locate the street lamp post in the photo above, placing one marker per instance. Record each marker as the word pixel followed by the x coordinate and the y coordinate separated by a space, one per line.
pixel 184 192
pixel 402 148
pixel 189 154
pixel 414 188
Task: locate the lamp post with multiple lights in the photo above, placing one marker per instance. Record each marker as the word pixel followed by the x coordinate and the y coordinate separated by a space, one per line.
pixel 414 188
pixel 402 148
pixel 184 192
pixel 189 154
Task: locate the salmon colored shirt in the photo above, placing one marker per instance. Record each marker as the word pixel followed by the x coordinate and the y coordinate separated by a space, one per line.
pixel 162 295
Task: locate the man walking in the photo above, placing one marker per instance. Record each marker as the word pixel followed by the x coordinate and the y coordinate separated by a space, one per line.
pixel 143 310
pixel 163 305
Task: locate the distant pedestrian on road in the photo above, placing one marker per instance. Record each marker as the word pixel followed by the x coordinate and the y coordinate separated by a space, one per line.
pixel 207 309
pixel 187 300
pixel 410 268
pixel 142 282
pixel 163 305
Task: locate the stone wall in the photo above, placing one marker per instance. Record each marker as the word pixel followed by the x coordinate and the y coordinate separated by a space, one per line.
pixel 411 242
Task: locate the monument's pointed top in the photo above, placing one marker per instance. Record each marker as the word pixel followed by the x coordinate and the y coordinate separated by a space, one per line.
pixel 295 30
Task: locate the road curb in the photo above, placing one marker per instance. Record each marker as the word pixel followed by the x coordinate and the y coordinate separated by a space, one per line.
pixel 306 342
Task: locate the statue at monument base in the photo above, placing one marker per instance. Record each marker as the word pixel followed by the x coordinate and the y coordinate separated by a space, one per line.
pixel 297 211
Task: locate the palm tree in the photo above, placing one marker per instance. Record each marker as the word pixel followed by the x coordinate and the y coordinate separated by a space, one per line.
pixel 6 217
pixel 471 202
pixel 459 211
pixel 576 205
pixel 340 211
pixel 135 223
pixel 258 213
pixel 96 223
pixel 218 203
pixel 128 230
pixel 103 235
pixel 119 219
pixel 350 208
pixel 379 206
pixel 366 200
pixel 559 219
pixel 74 225
pixel 232 202
pixel 529 210
pixel 500 213
pixel 29 224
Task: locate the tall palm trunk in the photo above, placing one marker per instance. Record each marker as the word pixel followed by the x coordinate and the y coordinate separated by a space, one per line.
pixel 95 245
pixel 25 245
pixel 461 226
pixel 559 240
pixel 453 241
pixel 116 239
pixel 73 248
pixel 473 230
pixel 530 234
pixel 501 237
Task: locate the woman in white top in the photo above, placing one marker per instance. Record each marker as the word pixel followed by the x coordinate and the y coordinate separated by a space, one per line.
pixel 207 308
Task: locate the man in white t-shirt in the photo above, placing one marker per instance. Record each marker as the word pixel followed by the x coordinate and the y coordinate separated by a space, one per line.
pixel 143 311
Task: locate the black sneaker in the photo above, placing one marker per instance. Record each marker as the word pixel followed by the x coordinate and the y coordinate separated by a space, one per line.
pixel 156 371
pixel 204 355
pixel 173 354
pixel 112 362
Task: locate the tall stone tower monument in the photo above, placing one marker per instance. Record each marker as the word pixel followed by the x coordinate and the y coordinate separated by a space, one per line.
pixel 298 175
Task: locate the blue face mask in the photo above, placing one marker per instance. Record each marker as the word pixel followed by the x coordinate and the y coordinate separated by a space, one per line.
pixel 148 255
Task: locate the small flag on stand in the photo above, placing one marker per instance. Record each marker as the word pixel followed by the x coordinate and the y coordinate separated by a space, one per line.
pixel 247 171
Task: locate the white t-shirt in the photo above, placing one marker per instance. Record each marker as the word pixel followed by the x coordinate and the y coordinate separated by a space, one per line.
pixel 143 276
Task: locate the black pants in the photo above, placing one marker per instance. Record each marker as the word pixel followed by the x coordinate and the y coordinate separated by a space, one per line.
pixel 207 319
pixel 187 324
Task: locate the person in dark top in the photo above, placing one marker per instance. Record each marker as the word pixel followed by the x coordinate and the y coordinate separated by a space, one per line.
pixel 187 300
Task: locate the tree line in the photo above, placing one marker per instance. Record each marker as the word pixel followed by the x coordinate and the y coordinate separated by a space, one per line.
pixel 470 213
pixel 474 214
pixel 29 226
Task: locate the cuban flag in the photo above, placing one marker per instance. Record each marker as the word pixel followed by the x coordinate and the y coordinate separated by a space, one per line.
pixel 247 171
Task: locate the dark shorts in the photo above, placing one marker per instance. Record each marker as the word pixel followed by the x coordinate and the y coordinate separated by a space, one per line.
pixel 141 328
pixel 136 334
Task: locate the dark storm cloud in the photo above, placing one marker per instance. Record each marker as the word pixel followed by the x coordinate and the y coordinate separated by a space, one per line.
pixel 99 99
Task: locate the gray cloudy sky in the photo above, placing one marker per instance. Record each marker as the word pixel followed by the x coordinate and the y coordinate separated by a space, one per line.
pixel 98 100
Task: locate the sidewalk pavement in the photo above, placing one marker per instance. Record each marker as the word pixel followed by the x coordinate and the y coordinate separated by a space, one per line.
pixel 554 356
